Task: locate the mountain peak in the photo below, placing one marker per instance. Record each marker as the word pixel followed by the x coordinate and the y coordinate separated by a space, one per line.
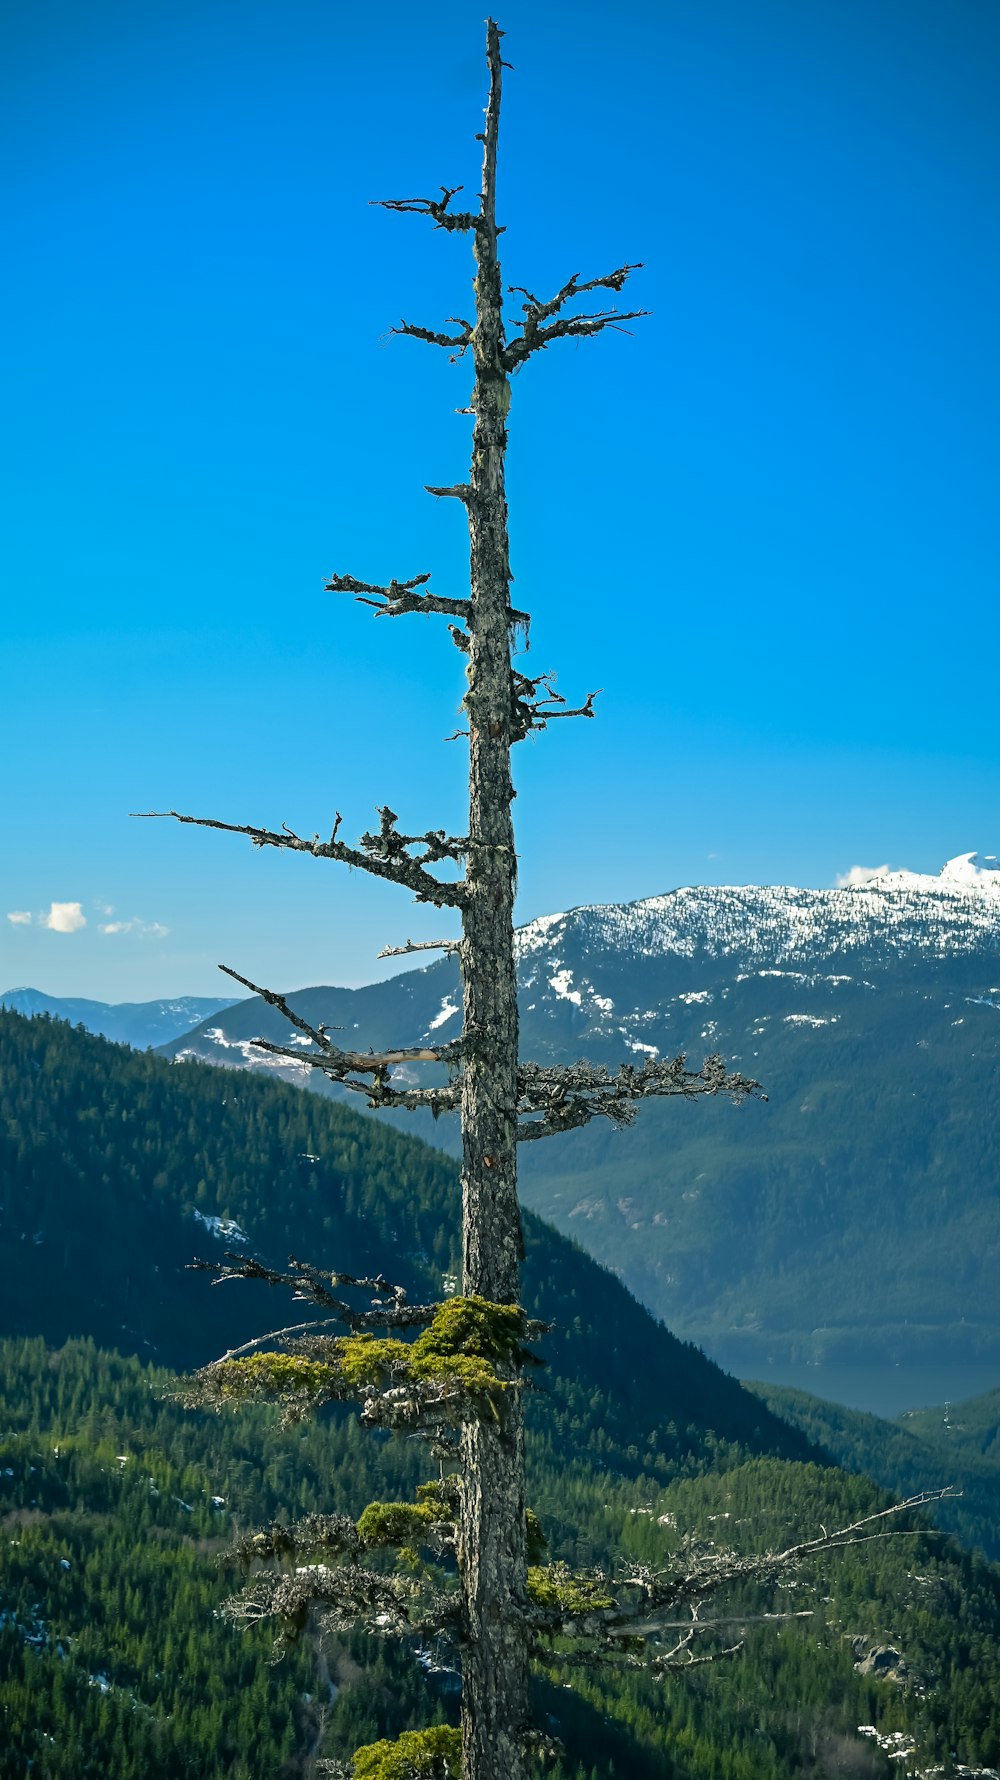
pixel 957 876
pixel 871 912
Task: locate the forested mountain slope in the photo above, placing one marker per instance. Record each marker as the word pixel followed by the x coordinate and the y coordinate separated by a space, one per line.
pixel 855 1214
pixel 970 1428
pixel 114 1505
pixel 960 1441
pixel 116 1167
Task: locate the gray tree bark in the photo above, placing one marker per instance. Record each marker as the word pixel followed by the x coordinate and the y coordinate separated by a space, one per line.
pixel 495 1703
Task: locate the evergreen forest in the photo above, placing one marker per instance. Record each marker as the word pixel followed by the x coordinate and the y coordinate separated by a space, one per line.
pixel 117 1505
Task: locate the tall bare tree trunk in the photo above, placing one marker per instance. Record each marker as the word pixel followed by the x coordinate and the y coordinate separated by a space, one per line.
pixel 495 1709
pixel 501 1101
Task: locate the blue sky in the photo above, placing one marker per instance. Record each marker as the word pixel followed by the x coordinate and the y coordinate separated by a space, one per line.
pixel 765 523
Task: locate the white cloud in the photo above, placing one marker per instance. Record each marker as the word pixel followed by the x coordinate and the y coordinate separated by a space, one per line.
pixel 146 929
pixel 68 917
pixel 64 917
pixel 860 874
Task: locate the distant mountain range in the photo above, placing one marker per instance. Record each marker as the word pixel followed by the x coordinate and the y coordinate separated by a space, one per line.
pixel 853 1218
pixel 136 1023
pixel 855 1215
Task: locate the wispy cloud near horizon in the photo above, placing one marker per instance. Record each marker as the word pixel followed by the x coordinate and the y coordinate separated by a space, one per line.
pixel 145 929
pixel 860 874
pixel 68 917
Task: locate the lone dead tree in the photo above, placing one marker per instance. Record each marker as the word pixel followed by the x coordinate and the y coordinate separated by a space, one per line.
pixel 459 1381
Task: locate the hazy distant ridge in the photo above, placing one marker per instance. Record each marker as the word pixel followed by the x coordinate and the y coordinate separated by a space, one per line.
pixel 136 1023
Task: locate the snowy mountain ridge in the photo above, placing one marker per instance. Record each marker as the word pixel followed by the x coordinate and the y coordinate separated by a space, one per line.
pixel 872 914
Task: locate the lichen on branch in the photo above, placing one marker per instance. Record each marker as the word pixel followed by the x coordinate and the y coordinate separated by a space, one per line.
pixel 456 1370
pixel 433 1754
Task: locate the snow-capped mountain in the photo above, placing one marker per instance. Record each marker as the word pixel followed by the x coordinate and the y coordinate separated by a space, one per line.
pixel 687 970
pixel 607 972
pixel 889 912
pixel 137 1023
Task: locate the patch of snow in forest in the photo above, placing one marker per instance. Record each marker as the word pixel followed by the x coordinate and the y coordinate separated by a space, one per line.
pixel 226 1229
pixel 535 935
pixel 448 1011
pixel 560 982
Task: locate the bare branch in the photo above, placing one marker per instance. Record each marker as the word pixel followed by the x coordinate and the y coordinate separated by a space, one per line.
pixel 710 1625
pixel 435 208
pixel 538 311
pixel 459 342
pixel 382 855
pixel 446 1098
pixel 334 1062
pixel 680 1656
pixel 379 1092
pixel 341 1065
pixel 342 1597
pixel 610 1623
pixel 579 327
pixel 567 1096
pixel 420 945
pixel 316 1033
pixel 398 597
pixel 536 703
pixel 391 843
pixel 249 1347
pixel 388 1308
pixel 538 330
pixel 664 1664
pixel 333 1535
pixel 459 491
pixel 712 1569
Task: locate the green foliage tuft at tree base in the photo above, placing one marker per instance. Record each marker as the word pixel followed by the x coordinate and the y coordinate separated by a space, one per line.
pixel 434 1754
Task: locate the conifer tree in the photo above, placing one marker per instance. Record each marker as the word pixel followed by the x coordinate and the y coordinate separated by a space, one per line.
pixel 460 1381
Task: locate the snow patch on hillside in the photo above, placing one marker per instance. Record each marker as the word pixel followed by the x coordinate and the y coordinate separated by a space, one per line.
pixel 447 1012
pixel 560 983
pixel 226 1229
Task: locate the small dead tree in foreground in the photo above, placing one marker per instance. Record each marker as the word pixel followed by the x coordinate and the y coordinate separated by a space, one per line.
pixel 460 1381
